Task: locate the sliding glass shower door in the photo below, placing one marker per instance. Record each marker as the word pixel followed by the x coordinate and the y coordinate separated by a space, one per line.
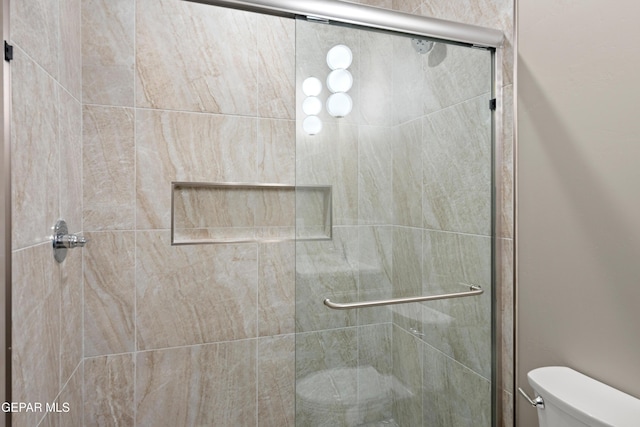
pixel 393 200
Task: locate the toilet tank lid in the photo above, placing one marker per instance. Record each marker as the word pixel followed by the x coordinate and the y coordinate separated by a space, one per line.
pixel 586 399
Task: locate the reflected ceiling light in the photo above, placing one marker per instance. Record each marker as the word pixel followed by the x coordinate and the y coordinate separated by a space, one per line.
pixel 311 86
pixel 312 125
pixel 339 104
pixel 312 106
pixel 339 56
pixel 339 81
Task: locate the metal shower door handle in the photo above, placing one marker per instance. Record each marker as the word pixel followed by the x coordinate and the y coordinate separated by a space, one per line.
pixel 473 290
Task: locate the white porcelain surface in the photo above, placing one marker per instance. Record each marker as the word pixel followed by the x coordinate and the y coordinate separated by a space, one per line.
pixel 581 399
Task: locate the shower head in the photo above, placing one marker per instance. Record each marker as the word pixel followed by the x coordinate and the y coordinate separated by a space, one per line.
pixel 422 46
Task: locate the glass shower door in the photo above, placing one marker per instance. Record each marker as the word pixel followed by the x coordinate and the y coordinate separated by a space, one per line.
pixel 393 200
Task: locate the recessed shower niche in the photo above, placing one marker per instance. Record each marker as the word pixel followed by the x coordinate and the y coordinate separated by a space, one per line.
pixel 203 212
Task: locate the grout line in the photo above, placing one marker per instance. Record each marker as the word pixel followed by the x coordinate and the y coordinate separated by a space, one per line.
pixel 82 227
pixel 202 113
pixel 257 350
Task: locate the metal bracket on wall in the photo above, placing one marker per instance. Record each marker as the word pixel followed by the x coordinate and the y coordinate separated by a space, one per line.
pixel 8 51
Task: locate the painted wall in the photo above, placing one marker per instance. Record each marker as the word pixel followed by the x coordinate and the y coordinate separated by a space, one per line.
pixel 578 174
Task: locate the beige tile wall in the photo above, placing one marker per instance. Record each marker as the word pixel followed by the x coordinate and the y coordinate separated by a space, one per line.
pixel 206 327
pixel 46 142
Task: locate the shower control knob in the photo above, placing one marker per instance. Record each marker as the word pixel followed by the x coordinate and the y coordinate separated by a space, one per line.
pixel 69 241
pixel 62 240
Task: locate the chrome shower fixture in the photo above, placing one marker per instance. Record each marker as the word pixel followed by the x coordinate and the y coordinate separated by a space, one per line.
pixel 422 46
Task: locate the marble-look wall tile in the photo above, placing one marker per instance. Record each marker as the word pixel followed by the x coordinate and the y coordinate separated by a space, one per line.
pixel 375 376
pixel 407 173
pixel 409 6
pixel 376 146
pixel 506 224
pixel 453 394
pixel 326 377
pixel 276 288
pixel 322 350
pixel 71 47
pixel 496 14
pixel 456 154
pixel 206 207
pixel 70 116
pixel 275 208
pixel 507 410
pixel 229 213
pixel 375 272
pixel 326 269
pixel 408 81
pixel 189 295
pixel 108 31
pixel 408 357
pixel 35 329
pixel 71 320
pixel 407 276
pixel 506 313
pixel 276 381
pixel 276 156
pixel 35 28
pixel 35 152
pixel 331 158
pixel 454 74
pixel 461 327
pixel 109 391
pixel 109 168
pixel 375 81
pixel 173 146
pixel 276 67
pixel 386 4
pixel 195 57
pixel 70 399
pixel 205 385
pixel 109 293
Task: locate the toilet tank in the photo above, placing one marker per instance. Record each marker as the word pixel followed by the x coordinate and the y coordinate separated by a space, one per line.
pixel 572 399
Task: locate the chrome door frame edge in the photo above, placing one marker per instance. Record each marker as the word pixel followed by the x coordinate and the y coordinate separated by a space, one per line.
pixel 372 17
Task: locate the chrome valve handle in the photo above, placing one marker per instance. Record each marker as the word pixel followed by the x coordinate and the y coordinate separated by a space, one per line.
pixel 69 241
pixel 62 240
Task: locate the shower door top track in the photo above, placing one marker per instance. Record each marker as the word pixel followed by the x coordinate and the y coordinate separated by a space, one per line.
pixel 372 17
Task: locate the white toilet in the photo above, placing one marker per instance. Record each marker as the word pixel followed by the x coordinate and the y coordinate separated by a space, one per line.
pixel 572 399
